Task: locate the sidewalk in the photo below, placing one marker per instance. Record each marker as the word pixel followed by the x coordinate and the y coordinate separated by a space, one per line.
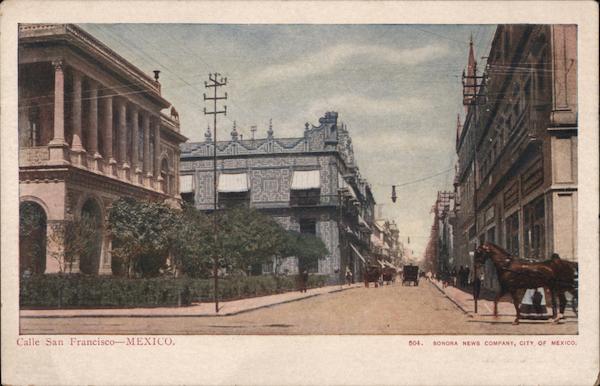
pixel 464 300
pixel 226 308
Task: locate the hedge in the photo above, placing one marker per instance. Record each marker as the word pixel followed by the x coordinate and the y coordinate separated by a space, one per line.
pixel 83 291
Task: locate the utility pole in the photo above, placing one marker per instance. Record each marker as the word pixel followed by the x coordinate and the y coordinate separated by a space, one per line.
pixel 473 96
pixel 215 81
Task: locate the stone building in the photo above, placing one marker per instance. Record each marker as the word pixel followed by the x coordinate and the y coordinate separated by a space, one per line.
pixel 91 130
pixel 310 184
pixel 517 170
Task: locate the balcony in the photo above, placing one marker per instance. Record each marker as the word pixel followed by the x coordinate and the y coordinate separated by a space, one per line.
pixel 39 157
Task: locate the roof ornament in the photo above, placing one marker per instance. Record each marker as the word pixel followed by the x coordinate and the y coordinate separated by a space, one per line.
pixel 208 135
pixel 270 131
pixel 234 133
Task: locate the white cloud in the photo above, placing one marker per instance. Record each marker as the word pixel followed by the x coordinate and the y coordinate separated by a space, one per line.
pixel 328 59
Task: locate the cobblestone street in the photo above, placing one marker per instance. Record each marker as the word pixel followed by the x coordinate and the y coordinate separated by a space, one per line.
pixel 392 309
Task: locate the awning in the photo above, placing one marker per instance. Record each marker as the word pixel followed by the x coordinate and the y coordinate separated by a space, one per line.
pixel 186 184
pixel 232 183
pixel 306 179
pixel 358 254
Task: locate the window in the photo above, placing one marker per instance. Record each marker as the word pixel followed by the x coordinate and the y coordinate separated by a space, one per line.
pixel 515 99
pixel 533 219
pixel 152 150
pixel 140 139
pixel 308 226
pixel 472 232
pixel 491 235
pixel 512 234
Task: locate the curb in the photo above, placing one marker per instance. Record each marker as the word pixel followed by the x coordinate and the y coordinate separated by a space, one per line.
pixel 457 304
pixel 183 315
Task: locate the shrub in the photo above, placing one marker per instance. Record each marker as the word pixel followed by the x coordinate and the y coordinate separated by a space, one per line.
pixel 83 291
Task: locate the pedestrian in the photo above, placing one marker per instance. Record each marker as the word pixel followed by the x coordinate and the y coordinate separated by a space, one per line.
pixel 467 275
pixel 461 276
pixel 477 280
pixel 453 277
pixel 304 280
pixel 348 276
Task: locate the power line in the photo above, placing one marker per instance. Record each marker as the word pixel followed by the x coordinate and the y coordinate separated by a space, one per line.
pixel 417 180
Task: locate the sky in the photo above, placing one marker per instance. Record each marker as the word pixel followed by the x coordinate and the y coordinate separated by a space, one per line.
pixel 396 87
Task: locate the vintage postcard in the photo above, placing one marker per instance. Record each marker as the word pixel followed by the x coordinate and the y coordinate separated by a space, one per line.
pixel 299 193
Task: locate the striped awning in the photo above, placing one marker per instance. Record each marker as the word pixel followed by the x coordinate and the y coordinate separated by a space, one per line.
pixel 358 253
pixel 186 184
pixel 306 179
pixel 233 183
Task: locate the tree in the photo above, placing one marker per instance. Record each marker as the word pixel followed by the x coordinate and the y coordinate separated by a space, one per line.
pixel 193 246
pixel 248 237
pixel 142 234
pixel 307 248
pixel 72 239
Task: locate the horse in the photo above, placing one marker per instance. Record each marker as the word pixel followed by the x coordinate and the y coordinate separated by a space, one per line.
pixel 514 275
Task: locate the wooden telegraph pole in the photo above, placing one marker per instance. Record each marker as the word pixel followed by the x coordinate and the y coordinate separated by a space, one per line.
pixel 215 81
pixel 474 96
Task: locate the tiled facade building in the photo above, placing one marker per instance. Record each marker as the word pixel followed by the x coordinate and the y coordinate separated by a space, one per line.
pixel 91 130
pixel 310 184
pixel 520 138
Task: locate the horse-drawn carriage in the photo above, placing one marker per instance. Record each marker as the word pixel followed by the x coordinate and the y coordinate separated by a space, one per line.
pixel 372 274
pixel 388 274
pixel 410 274
pixel 379 274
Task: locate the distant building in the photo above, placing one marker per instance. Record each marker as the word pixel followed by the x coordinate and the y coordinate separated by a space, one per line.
pixel 310 184
pixel 90 131
pixel 385 243
pixel 440 254
pixel 516 181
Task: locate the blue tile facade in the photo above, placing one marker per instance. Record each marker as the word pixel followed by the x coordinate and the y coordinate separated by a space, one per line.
pixel 270 164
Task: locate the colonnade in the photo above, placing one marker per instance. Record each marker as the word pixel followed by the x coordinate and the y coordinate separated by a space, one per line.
pixel 120 159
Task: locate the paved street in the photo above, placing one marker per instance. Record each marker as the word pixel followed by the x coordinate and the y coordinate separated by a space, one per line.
pixel 389 310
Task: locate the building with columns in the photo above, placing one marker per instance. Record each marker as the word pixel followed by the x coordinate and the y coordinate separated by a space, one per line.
pixel 91 130
pixel 516 183
pixel 310 184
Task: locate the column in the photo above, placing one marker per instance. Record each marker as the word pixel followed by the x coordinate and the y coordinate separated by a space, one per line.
pixel 76 144
pixel 134 144
pixel 108 134
pixel 57 145
pixel 146 157
pixel 93 123
pixel 157 152
pixel 122 136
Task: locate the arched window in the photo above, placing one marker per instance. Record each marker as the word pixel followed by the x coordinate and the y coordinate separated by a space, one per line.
pixel 164 173
pixel 32 238
pixel 89 227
